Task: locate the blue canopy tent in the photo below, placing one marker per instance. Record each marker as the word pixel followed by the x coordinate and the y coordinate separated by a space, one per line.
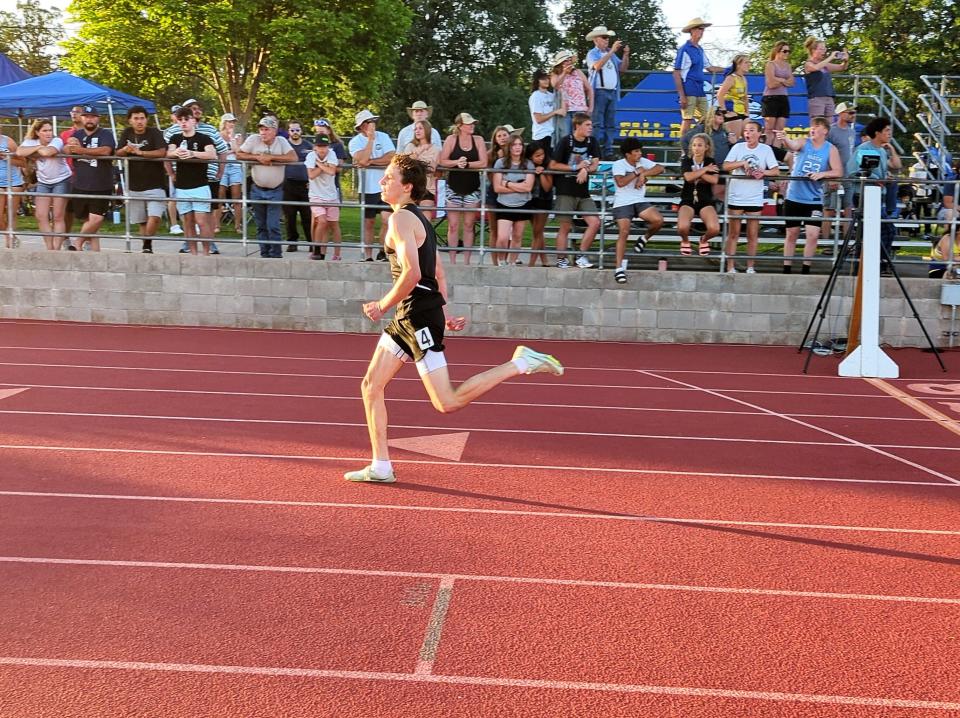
pixel 55 93
pixel 11 72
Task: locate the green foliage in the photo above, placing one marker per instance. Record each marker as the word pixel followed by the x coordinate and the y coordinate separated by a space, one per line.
pixel 297 57
pixel 638 23
pixel 474 56
pixel 28 36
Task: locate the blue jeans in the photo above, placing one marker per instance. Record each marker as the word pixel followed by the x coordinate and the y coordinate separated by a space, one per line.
pixel 267 217
pixel 605 118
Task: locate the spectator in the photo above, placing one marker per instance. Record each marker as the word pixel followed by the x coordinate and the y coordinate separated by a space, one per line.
pixel 53 180
pixel 843 136
pixel 322 166
pixel 577 154
pixel 513 187
pixel 720 139
pixel 190 182
pixel 573 87
pixel 700 175
pixel 630 175
pixel 76 123
pixel 424 150
pixel 541 200
pixel 214 169
pixel 323 128
pixel 147 189
pixel 499 140
pixel 231 184
pixel 295 188
pixel 818 68
pixel 172 216
pixel 817 160
pixel 11 176
pixel 688 74
pixel 372 151
pixel 733 98
pixel 545 107
pixel 605 69
pixel 92 177
pixel 751 161
pixel 418 111
pixel 777 76
pixel 464 155
pixel 269 151
pixel 879 133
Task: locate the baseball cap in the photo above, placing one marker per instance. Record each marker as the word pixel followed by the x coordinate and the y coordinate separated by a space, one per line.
pixel 191 101
pixel 322 140
pixel 267 122
pixel 175 108
pixel 228 117
pixel 90 110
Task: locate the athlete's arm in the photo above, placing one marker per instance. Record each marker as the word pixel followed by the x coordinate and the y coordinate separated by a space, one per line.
pixel 402 228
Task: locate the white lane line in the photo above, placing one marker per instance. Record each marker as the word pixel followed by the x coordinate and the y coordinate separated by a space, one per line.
pixel 357 398
pixel 531 580
pixel 357 378
pixel 596 516
pixel 817 698
pixel 477 464
pixel 850 441
pixel 431 639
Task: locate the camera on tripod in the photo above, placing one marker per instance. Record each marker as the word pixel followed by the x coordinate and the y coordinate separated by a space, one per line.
pixel 868 163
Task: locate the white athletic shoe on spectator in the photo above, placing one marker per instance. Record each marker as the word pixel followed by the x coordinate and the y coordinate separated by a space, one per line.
pixel 536 362
pixel 751 270
pixel 583 262
pixel 732 270
pixel 563 263
pixel 176 229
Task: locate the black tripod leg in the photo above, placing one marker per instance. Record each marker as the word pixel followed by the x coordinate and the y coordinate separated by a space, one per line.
pixel 916 315
pixel 825 299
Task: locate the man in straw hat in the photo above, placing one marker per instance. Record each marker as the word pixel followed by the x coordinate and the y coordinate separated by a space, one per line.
pixel 371 151
pixel 418 111
pixel 605 69
pixel 688 75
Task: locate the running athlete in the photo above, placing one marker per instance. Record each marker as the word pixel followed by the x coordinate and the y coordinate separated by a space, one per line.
pixel 419 294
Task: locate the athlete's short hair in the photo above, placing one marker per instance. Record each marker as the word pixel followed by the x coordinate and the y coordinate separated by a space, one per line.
pixel 412 172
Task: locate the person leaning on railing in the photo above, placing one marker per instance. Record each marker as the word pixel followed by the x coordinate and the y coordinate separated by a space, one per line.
pixel 145 147
pixel 464 154
pixel 53 180
pixel 11 176
pixel 541 200
pixel 513 186
pixel 577 154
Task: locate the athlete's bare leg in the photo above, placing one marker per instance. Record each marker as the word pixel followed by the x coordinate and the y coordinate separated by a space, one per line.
pixel 447 399
pixel 382 368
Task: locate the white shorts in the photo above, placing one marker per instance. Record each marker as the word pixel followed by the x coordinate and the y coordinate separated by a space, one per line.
pixel 146 203
pixel 431 360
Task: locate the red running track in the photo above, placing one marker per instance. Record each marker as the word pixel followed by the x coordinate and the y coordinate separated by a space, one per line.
pixel 664 531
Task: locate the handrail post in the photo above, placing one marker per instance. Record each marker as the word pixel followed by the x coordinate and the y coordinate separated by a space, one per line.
pixel 125 189
pixel 243 211
pixel 483 215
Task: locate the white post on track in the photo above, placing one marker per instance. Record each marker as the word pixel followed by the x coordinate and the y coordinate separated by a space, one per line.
pixel 868 359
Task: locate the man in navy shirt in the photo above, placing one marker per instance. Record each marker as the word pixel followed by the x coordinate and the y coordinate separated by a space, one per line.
pixel 295 187
pixel 92 176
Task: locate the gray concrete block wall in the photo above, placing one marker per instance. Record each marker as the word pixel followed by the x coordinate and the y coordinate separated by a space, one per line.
pixel 498 301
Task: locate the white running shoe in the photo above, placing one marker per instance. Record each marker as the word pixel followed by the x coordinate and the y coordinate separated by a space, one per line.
pixel 176 229
pixel 367 474
pixel 537 362
pixel 583 262
pixel 751 270
pixel 732 270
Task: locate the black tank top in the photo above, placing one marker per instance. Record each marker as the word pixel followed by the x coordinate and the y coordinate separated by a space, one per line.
pixel 426 294
pixel 464 182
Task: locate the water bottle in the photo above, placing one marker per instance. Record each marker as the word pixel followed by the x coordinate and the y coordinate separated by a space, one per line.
pixel 574 160
pixel 183 145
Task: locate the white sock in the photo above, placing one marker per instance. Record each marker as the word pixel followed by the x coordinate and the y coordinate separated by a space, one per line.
pixel 380 467
pixel 623 265
pixel 521 365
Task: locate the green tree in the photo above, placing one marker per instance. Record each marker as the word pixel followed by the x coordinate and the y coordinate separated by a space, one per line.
pixel 475 56
pixel 296 56
pixel 897 41
pixel 29 35
pixel 638 23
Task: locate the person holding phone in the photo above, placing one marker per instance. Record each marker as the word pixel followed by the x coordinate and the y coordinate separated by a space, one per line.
pixel 818 68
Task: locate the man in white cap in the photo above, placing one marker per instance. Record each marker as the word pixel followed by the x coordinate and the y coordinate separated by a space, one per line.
pixel 371 151
pixel 688 74
pixel 844 136
pixel 419 110
pixel 604 70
